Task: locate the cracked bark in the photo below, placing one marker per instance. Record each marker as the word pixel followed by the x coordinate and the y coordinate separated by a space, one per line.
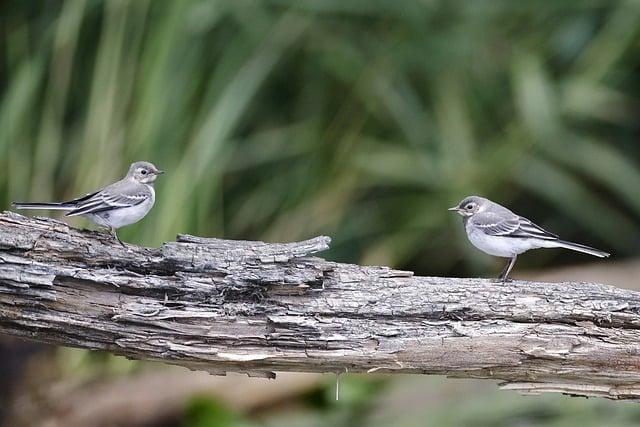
pixel 220 305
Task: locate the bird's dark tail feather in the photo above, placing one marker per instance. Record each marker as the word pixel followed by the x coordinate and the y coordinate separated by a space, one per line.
pixel 59 206
pixel 582 248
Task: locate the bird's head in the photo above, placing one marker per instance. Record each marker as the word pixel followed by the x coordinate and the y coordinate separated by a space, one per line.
pixel 144 172
pixel 470 206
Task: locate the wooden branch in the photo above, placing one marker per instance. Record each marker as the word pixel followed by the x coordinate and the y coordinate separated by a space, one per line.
pixel 252 307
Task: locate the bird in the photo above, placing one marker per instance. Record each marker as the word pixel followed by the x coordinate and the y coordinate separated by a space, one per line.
pixel 497 231
pixel 122 203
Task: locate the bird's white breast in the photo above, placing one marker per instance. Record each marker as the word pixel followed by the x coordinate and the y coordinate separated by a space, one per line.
pixel 505 247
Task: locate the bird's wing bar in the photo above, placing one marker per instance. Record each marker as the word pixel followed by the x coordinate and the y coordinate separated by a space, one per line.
pixel 103 201
pixel 531 230
pixel 495 225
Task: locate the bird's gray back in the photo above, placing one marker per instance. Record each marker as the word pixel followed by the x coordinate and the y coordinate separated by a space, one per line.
pixel 127 188
pixel 121 194
pixel 497 209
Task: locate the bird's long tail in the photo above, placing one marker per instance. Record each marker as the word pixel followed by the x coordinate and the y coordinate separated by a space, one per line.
pixel 58 206
pixel 582 248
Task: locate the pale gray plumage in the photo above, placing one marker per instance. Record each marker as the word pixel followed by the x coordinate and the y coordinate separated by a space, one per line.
pixel 496 230
pixel 121 203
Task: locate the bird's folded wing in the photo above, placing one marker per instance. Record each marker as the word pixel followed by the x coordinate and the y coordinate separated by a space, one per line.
pixel 104 201
pixel 494 224
pixel 514 226
pixel 529 229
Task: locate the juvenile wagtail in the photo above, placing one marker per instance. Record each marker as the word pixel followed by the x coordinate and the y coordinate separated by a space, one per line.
pixel 121 203
pixel 497 231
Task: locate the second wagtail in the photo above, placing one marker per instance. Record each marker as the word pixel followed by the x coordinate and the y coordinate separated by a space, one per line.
pixel 122 203
pixel 497 231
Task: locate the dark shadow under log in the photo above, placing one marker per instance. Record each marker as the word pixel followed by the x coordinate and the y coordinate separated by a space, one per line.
pixel 220 305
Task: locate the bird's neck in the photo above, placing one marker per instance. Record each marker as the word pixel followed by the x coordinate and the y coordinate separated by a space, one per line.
pixel 149 184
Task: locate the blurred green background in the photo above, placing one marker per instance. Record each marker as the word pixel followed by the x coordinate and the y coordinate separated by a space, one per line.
pixel 364 120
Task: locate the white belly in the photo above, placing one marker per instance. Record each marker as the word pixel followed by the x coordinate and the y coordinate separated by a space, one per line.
pixel 123 216
pixel 505 247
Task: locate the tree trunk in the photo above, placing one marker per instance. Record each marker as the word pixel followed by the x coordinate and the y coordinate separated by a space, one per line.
pixel 220 305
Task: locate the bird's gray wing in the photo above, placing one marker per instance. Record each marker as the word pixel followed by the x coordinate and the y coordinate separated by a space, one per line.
pixel 122 194
pixel 531 230
pixel 495 224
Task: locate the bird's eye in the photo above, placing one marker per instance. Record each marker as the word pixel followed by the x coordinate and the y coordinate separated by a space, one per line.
pixel 470 206
pixel 143 172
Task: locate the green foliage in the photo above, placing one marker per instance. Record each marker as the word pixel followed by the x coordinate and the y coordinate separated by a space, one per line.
pixel 86 366
pixel 317 408
pixel 205 412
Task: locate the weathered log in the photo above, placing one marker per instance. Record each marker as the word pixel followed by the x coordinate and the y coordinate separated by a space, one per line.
pixel 221 305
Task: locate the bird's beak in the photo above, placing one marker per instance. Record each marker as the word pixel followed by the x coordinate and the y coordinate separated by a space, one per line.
pixel 159 172
pixel 454 209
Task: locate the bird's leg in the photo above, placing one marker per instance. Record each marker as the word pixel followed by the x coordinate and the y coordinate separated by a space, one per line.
pixel 504 275
pixel 504 270
pixel 112 230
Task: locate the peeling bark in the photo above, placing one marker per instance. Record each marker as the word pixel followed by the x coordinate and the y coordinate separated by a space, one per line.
pixel 220 305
